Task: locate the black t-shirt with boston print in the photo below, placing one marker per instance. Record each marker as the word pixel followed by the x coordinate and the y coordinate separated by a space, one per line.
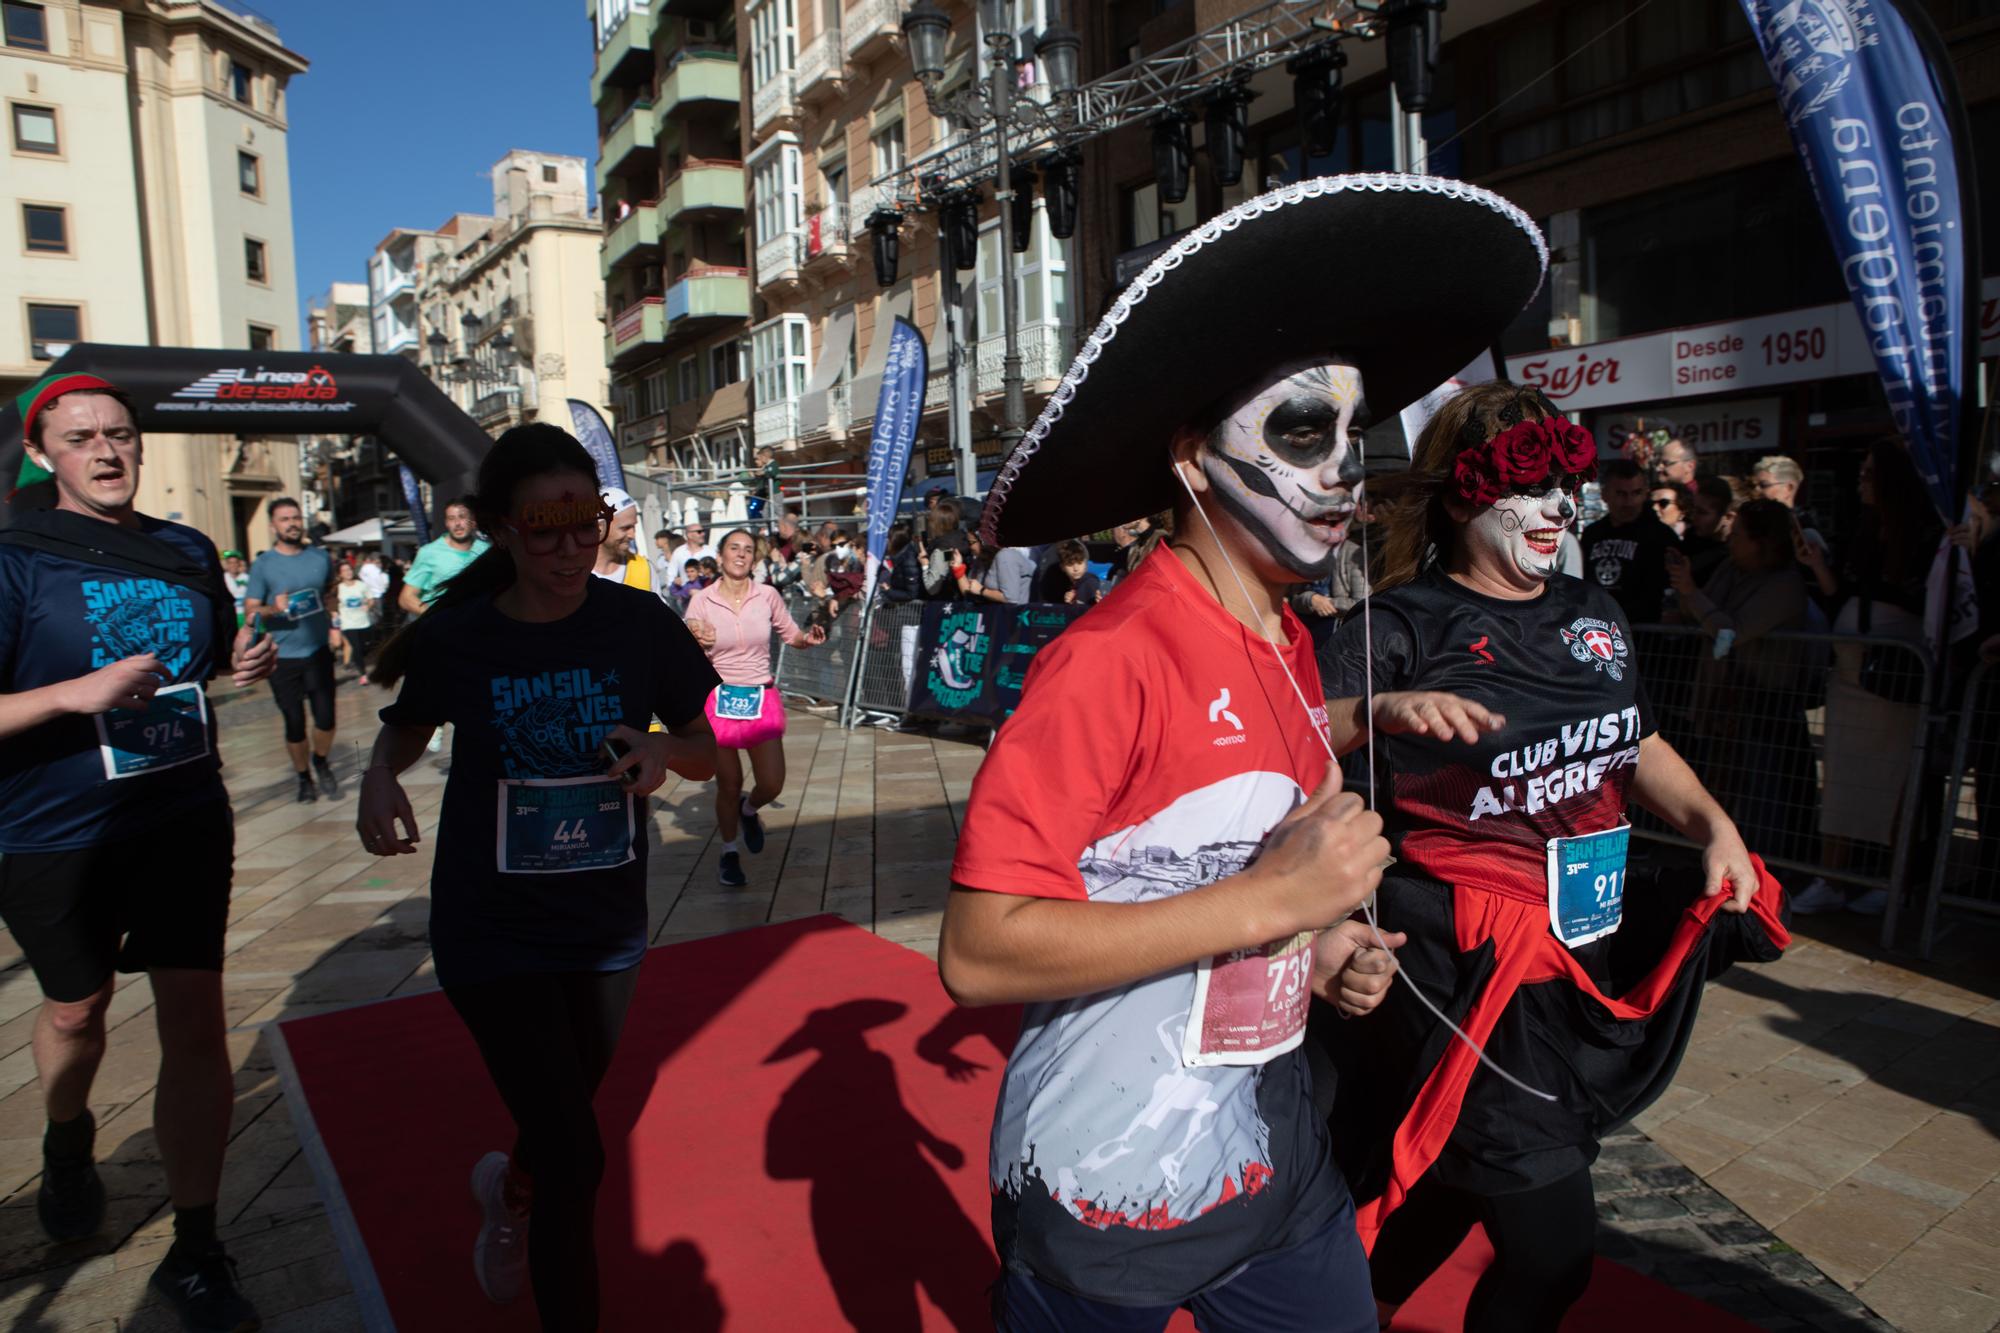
pixel 539 868
pixel 1561 668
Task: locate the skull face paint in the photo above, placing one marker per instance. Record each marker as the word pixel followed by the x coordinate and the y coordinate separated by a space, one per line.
pixel 1282 463
pixel 1519 537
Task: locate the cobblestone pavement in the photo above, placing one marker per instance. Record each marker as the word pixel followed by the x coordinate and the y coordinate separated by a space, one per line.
pixel 1846 1102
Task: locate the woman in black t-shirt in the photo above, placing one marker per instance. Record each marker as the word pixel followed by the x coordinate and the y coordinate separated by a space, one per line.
pixel 1510 871
pixel 538 893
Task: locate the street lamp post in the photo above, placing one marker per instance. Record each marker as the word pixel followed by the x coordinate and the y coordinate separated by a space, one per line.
pixel 992 102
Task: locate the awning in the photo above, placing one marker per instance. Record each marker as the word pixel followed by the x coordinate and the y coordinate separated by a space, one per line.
pixel 868 380
pixel 834 344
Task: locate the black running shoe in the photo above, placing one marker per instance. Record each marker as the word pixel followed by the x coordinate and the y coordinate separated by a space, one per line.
pixel 730 871
pixel 203 1293
pixel 328 783
pixel 753 830
pixel 70 1202
pixel 306 793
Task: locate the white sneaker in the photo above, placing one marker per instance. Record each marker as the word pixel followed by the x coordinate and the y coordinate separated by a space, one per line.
pixel 1818 898
pixel 1872 903
pixel 500 1255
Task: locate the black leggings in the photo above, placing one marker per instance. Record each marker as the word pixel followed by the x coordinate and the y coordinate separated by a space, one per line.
pixel 1543 1242
pixel 547 1040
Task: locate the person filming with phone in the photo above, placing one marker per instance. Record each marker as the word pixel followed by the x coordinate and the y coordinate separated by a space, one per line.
pixel 538 892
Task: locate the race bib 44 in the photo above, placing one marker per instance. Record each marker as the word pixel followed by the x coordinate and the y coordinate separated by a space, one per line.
pixel 553 826
pixel 1250 1006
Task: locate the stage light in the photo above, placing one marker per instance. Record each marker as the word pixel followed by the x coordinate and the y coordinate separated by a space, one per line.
pixel 1316 84
pixel 1415 27
pixel 1023 206
pixel 885 227
pixel 1173 153
pixel 1228 133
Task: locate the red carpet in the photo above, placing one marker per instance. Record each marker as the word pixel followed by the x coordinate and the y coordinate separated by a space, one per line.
pixel 796 1123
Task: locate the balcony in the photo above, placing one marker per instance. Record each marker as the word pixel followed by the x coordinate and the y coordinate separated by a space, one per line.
pixel 692 9
pixel 628 148
pixel 635 240
pixel 700 189
pixel 400 339
pixel 826 236
pixel 872 28
pixel 775 424
pixel 775 104
pixel 780 259
pixel 637 330
pixel 401 282
pixel 822 68
pixel 706 299
pixel 626 60
pixel 698 79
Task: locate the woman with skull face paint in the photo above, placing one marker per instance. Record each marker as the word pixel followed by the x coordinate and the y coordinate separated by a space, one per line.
pixel 1511 873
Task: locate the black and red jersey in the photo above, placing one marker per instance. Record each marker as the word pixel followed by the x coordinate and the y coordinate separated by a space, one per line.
pixel 1560 667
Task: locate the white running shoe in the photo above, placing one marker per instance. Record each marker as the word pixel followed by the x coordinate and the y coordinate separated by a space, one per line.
pixel 1872 903
pixel 500 1255
pixel 1817 899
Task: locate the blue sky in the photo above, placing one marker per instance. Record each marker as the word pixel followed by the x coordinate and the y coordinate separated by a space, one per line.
pixel 408 104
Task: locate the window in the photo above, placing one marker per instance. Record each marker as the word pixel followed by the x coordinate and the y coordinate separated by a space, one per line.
pixel 1041 277
pixel 263 339
pixel 725 364
pixel 889 151
pixel 239 81
pixel 249 174
pixel 780 358
pixel 549 174
pixel 1148 220
pixel 776 182
pixel 46 227
pixel 687 379
pixel 27 27
pixel 774 41
pixel 254 261
pixel 52 328
pixel 653 394
pixel 35 129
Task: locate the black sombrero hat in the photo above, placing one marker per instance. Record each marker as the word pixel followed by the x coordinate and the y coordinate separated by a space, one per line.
pixel 1407 276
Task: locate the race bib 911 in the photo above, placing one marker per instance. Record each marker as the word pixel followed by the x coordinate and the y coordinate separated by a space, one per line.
pixel 1587 885
pixel 1250 1005
pixel 553 826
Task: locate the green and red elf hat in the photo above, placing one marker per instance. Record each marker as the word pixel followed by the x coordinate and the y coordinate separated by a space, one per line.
pixel 31 402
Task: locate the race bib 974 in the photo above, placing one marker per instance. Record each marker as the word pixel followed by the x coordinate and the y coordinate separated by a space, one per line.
pixel 1250 1005
pixel 553 826
pixel 171 729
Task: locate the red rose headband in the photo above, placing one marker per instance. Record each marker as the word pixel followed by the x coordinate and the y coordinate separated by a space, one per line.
pixel 1524 455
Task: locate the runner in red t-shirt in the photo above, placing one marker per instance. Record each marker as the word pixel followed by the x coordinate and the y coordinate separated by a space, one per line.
pixel 1140 861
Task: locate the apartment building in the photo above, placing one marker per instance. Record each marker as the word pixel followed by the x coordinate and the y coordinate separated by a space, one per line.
pixel 834 109
pixel 677 295
pixel 503 309
pixel 148 202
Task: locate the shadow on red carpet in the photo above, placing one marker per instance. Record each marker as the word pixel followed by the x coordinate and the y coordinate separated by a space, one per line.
pixel 796 1129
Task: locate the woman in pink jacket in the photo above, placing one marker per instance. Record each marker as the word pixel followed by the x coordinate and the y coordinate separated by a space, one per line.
pixel 733 619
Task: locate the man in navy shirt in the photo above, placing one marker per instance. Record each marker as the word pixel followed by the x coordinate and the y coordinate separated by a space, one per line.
pixel 116 838
pixel 289 588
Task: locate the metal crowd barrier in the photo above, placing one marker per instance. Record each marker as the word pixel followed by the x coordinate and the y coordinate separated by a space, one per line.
pixel 881 689
pixel 820 674
pixel 1965 873
pixel 1817 744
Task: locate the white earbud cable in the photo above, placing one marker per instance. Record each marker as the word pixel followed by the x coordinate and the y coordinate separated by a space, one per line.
pixel 1326 740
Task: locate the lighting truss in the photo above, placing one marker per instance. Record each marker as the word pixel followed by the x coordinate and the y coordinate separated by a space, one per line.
pixel 1180 75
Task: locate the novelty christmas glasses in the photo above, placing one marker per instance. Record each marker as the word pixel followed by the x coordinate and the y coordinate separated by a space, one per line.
pixel 541 526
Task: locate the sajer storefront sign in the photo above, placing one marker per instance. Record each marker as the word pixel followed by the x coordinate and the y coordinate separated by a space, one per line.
pixel 1795 347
